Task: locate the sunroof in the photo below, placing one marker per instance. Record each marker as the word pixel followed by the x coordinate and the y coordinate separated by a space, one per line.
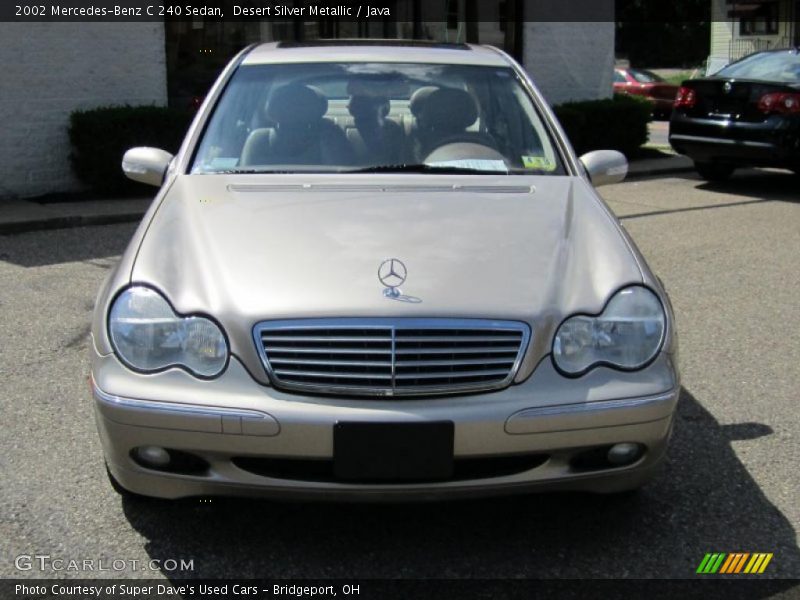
pixel 365 42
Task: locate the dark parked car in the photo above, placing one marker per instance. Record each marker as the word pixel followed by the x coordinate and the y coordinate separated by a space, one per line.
pixel 646 84
pixel 748 114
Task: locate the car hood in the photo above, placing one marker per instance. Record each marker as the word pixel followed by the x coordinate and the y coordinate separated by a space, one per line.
pixel 250 248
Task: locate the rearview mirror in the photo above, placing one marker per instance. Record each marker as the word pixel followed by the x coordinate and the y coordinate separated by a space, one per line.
pixel 605 166
pixel 146 165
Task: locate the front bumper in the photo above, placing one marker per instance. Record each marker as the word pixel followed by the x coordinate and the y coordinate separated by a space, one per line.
pixel 233 417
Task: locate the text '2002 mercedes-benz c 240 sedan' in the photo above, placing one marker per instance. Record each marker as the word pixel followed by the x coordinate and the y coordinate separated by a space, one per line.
pixel 377 270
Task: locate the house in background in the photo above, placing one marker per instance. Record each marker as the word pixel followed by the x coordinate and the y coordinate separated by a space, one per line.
pixel 740 27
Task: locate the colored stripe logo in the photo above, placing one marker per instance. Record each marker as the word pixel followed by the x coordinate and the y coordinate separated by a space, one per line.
pixel 734 563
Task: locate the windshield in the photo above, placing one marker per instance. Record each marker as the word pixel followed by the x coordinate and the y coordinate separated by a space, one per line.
pixel 782 67
pixel 645 76
pixel 367 117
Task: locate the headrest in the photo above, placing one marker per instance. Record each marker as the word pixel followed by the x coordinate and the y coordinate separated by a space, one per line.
pixel 296 103
pixel 448 109
pixel 418 98
pixel 366 107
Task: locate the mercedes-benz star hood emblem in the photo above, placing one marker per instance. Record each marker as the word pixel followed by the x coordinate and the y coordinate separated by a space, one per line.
pixel 392 273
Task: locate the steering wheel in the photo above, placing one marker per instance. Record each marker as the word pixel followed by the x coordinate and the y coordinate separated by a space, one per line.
pixel 475 139
pixel 463 148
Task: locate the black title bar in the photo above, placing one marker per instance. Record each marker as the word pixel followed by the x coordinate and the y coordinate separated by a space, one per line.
pixel 363 11
pixel 707 588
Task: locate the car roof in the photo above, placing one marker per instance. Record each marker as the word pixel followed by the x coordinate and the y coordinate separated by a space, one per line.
pixel 789 49
pixel 397 51
pixel 795 49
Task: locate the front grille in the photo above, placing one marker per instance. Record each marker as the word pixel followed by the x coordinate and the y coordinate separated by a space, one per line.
pixel 391 357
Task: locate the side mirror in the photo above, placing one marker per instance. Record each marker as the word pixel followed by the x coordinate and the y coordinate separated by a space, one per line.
pixel 605 166
pixel 146 165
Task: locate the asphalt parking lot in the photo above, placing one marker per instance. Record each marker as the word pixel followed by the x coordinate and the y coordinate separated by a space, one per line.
pixel 728 256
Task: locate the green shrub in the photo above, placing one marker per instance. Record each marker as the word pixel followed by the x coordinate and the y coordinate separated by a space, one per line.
pixel 618 123
pixel 572 122
pixel 100 137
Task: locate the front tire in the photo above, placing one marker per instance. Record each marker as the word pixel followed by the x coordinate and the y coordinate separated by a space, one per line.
pixel 714 171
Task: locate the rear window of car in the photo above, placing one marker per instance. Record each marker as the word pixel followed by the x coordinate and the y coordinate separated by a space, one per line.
pixel 645 76
pixel 780 67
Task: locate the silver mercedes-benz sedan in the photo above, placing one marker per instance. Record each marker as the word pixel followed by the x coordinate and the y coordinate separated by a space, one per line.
pixel 377 270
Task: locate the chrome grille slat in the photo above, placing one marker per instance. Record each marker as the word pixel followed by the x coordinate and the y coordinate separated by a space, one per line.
pixel 455 362
pixel 326 350
pixel 455 350
pixel 391 357
pixel 334 375
pixel 291 338
pixel 444 339
pixel 451 374
pixel 338 363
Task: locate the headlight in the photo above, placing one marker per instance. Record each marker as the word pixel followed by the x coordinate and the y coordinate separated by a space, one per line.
pixel 148 335
pixel 627 334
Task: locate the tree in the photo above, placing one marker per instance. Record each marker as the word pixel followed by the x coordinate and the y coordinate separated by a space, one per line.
pixel 654 33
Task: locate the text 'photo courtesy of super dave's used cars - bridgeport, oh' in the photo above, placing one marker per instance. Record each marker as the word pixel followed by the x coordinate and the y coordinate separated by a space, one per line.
pixel 378 271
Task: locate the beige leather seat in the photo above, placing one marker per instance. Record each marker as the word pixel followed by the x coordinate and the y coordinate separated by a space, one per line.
pixel 375 138
pixel 301 136
pixel 442 116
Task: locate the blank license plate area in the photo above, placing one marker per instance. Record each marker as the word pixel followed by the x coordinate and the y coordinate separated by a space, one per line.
pixel 403 452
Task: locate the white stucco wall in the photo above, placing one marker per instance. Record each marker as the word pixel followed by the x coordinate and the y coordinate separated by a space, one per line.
pixel 722 30
pixel 51 69
pixel 727 44
pixel 570 60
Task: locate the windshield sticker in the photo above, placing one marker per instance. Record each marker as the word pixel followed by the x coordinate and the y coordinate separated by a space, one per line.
pixel 477 164
pixel 541 163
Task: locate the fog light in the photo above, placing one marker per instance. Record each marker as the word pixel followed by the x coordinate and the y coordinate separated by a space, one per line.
pixel 154 456
pixel 624 453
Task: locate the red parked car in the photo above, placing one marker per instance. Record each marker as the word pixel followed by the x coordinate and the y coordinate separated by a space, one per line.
pixel 639 82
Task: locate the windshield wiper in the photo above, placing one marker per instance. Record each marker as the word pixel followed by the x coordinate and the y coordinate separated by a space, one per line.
pixel 398 168
pixel 251 172
pixel 423 168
